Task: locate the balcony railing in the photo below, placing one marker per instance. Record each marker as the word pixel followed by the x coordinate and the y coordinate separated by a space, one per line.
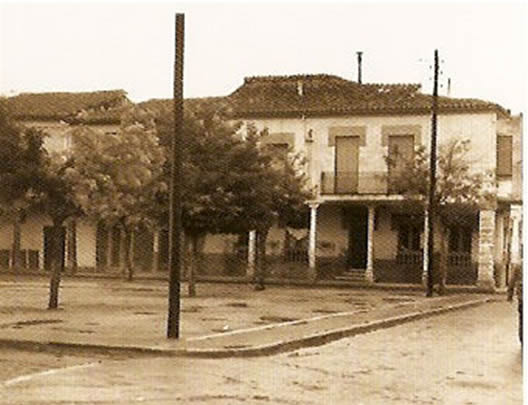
pixel 354 183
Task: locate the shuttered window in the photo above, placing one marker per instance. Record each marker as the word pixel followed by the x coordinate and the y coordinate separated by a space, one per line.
pixel 504 155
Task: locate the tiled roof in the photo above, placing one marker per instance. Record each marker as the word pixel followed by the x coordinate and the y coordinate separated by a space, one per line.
pixel 87 107
pixel 327 95
pixel 192 104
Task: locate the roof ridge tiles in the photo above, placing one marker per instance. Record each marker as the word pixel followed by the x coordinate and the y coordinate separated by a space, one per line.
pixel 300 76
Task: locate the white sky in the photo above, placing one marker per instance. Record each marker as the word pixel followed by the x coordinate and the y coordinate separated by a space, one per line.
pixel 85 46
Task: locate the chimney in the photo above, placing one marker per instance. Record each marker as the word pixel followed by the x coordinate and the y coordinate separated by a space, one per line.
pixel 300 89
pixel 359 66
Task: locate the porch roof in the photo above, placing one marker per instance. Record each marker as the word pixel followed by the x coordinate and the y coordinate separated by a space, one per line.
pixel 363 198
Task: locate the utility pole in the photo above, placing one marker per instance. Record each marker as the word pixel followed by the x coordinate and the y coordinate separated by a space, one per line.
pixel 359 65
pixel 431 208
pixel 175 208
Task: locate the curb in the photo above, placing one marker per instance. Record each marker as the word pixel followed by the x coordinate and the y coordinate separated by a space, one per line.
pixel 30 345
pixel 281 346
pixel 328 336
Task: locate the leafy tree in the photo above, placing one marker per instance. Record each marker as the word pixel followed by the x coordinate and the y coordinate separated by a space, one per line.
pixel 56 197
pixel 230 183
pixel 285 192
pixel 117 177
pixel 32 179
pixel 21 158
pixel 459 189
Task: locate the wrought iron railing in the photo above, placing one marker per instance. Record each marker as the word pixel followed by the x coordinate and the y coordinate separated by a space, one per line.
pixel 459 259
pixel 372 182
pixel 409 257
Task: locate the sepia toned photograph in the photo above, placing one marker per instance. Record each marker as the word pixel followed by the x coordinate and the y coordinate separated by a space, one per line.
pixel 235 202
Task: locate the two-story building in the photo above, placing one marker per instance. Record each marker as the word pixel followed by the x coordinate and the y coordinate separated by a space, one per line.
pixel 55 114
pixel 361 227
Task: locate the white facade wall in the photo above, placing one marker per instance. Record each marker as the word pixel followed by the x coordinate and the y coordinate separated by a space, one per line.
pixel 479 128
pixel 86 240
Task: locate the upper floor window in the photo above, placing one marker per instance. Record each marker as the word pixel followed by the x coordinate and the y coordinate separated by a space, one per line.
pixel 401 154
pixel 279 153
pixel 504 156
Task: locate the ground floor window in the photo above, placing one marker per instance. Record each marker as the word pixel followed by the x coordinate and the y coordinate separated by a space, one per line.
pixel 409 250
pixel 460 245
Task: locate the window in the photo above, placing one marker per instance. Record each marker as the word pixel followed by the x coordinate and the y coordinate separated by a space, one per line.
pixel 459 239
pixel 409 237
pixel 504 156
pixel 401 153
pixel 279 153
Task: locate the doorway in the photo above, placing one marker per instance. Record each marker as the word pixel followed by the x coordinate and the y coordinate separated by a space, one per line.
pixel 356 219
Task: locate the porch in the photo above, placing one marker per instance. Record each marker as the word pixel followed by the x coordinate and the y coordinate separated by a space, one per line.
pixel 385 241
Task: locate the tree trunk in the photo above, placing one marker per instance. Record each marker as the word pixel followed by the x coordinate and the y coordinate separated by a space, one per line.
pixel 122 251
pixel 442 265
pixel 17 236
pixel 262 236
pixel 193 257
pixel 57 264
pixel 440 268
pixel 127 255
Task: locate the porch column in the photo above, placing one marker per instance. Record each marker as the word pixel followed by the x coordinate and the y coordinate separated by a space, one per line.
pixel 369 273
pixel 515 247
pixel 252 249
pixel 485 249
pixel 71 244
pixel 41 251
pixel 312 240
pixel 425 258
pixel 155 250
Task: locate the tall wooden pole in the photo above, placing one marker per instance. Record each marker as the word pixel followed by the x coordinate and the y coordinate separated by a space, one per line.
pixel 175 209
pixel 359 66
pixel 431 208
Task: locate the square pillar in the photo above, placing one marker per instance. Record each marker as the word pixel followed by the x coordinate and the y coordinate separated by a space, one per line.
pixel 515 240
pixel 312 241
pixel 369 273
pixel 486 249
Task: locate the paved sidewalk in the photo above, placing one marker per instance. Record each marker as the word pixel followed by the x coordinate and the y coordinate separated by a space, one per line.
pixel 221 321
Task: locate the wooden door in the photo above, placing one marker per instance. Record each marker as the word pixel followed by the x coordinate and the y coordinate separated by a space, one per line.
pixel 357 220
pixel 346 164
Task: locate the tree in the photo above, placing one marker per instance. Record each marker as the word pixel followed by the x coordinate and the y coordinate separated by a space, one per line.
pixel 56 197
pixel 21 157
pixel 117 176
pixel 459 189
pixel 285 192
pixel 34 180
pixel 230 184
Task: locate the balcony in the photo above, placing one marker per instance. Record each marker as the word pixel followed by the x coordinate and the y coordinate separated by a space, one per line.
pixel 354 183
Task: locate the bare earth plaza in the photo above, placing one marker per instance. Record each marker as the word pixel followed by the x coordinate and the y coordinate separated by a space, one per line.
pixel 332 237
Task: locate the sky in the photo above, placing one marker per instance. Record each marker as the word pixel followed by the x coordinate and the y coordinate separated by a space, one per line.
pixel 94 45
